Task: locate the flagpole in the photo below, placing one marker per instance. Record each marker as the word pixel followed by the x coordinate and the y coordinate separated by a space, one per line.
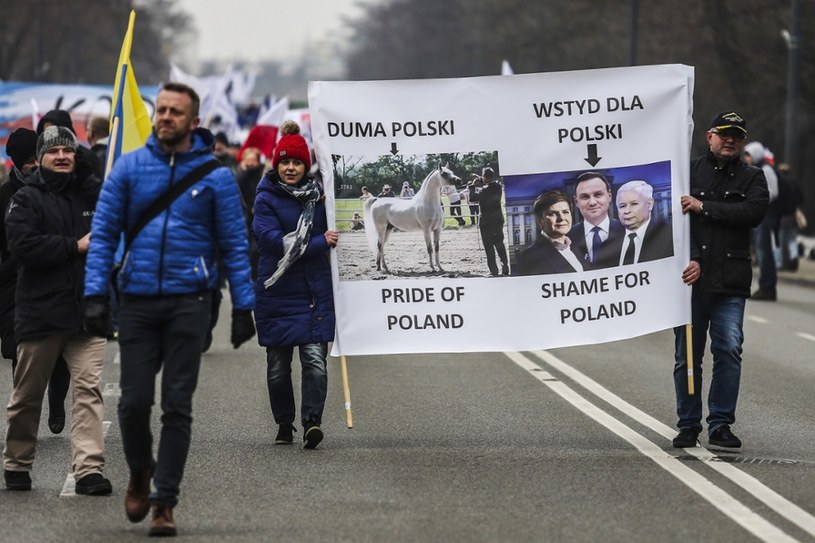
pixel 112 141
pixel 689 357
pixel 346 392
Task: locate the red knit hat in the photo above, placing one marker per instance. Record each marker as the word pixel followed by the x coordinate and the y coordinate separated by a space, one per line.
pixel 291 145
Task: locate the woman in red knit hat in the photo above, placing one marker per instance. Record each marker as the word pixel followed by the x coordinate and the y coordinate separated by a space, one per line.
pixel 295 303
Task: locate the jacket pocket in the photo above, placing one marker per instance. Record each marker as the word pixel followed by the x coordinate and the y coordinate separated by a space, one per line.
pixel 202 272
pixel 738 273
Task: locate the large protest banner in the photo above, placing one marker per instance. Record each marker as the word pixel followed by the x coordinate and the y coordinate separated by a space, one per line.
pixel 23 103
pixel 427 273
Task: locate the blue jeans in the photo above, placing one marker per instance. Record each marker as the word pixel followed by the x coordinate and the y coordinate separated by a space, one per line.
pixel 160 333
pixel 314 382
pixel 724 316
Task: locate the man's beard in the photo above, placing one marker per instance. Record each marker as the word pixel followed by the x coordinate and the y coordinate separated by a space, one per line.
pixel 173 140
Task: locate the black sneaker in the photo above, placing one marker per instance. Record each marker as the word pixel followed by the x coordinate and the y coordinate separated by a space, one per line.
pixel 285 435
pixel 94 485
pixel 764 295
pixel 686 438
pixel 17 480
pixel 723 437
pixel 312 435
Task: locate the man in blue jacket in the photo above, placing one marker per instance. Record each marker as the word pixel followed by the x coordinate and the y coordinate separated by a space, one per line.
pixel 166 283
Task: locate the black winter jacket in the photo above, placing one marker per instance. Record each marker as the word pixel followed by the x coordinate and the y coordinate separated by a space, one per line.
pixel 734 197
pixel 42 228
pixel 8 273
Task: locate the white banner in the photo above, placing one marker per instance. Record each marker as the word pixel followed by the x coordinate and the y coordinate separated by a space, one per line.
pixel 568 151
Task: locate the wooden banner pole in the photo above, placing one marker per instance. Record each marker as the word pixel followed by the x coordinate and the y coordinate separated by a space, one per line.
pixel 689 357
pixel 346 392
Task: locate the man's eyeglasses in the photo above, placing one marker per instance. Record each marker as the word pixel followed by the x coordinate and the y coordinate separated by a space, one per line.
pixel 733 136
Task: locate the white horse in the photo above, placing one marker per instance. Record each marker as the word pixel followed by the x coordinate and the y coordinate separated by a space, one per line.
pixel 422 212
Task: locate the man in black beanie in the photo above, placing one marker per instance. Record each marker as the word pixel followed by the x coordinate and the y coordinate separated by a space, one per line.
pixel 48 230
pixel 60 117
pixel 21 147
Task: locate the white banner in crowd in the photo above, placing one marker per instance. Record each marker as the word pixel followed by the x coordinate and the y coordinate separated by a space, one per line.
pixel 568 150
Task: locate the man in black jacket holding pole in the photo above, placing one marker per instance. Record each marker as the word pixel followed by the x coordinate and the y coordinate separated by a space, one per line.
pixel 727 199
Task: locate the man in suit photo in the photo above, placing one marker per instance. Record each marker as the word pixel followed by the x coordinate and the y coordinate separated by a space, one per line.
pixel 646 238
pixel 597 236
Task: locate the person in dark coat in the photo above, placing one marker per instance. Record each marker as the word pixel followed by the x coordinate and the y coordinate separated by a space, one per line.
pixel 491 225
pixel 727 198
pixel 250 172
pixel 48 228
pixel 97 132
pixel 646 238
pixel 21 147
pixel 597 236
pixel 295 304
pixel 552 251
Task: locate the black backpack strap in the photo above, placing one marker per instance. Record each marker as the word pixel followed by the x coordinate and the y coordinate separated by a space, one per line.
pixel 168 197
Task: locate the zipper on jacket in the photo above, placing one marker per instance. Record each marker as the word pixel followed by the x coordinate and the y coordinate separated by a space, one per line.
pixel 164 229
pixel 206 270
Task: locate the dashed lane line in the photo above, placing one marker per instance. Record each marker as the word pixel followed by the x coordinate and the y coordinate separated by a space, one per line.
pixel 760 320
pixel 756 488
pixel 804 335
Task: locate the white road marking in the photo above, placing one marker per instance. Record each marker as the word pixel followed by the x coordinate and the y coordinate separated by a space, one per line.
pixel 764 494
pixel 734 509
pixel 105 428
pixel 760 320
pixel 69 488
pixel 804 335
pixel 118 358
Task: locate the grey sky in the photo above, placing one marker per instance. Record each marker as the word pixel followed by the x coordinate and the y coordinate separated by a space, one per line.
pixel 264 29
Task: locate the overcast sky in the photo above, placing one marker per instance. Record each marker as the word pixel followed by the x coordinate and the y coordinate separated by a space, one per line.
pixel 264 29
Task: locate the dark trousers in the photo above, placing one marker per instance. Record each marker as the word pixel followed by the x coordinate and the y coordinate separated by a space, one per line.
pixel 314 382
pixel 455 213
pixel 160 333
pixel 493 236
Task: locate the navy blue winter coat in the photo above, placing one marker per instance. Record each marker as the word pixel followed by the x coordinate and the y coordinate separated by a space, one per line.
pixel 175 253
pixel 299 308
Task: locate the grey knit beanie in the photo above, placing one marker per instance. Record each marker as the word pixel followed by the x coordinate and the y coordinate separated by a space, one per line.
pixel 54 136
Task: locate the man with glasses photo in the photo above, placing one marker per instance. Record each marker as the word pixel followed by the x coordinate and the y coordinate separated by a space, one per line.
pixel 727 199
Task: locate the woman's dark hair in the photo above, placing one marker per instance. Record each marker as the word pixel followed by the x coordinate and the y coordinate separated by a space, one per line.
pixel 548 199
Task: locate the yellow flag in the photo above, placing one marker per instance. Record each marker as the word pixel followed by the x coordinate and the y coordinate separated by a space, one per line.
pixel 129 121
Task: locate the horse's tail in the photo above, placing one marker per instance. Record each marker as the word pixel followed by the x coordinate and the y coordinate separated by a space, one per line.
pixel 370 226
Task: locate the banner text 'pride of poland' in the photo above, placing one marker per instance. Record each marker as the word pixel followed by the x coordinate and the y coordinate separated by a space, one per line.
pixel 506 213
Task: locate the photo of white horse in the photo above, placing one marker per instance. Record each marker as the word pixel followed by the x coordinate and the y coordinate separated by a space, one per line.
pixel 423 212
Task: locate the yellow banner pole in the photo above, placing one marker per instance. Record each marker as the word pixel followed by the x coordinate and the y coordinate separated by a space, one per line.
pixel 689 357
pixel 346 392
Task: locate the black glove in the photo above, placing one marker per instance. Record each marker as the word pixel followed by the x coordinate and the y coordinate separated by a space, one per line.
pixel 243 327
pixel 98 320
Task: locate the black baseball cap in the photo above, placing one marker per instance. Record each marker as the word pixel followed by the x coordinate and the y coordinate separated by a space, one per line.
pixel 729 119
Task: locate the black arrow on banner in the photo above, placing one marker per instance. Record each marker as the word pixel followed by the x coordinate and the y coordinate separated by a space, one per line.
pixel 394 149
pixel 591 150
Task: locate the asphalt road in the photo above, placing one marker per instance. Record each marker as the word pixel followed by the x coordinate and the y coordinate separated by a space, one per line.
pixel 568 445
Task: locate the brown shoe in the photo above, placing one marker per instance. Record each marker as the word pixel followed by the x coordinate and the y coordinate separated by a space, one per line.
pixel 138 490
pixel 162 523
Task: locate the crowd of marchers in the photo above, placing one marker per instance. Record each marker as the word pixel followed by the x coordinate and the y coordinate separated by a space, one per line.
pixel 142 256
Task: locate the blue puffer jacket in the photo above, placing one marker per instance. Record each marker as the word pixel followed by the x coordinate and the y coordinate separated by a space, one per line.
pixel 175 252
pixel 299 308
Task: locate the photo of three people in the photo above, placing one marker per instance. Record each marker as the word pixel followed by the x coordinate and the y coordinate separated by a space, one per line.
pixel 578 221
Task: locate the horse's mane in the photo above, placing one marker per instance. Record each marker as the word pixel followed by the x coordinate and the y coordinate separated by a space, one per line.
pixel 426 181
